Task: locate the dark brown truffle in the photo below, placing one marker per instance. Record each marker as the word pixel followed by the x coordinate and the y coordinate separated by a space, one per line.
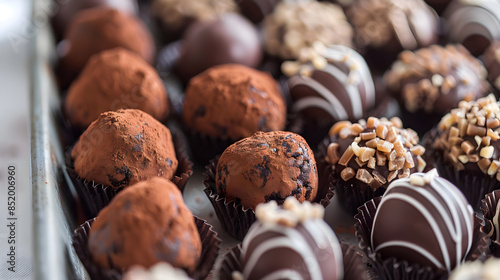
pixel 233 101
pixel 267 166
pixel 99 29
pixel 124 147
pixel 228 39
pixel 113 80
pixel 491 60
pixel 256 10
pixel 143 225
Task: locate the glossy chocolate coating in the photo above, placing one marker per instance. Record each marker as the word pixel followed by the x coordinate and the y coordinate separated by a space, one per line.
pixel 229 39
pixel 491 209
pixel 430 224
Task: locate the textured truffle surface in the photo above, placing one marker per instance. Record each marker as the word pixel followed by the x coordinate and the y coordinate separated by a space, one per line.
pixel 113 80
pixel 491 60
pixel 99 29
pixel 228 39
pixel 294 26
pixel 423 220
pixel 233 101
pixel 267 166
pixel 124 147
pixel 143 225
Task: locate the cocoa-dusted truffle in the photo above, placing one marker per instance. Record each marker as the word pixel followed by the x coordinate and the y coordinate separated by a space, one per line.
pixel 233 101
pixel 99 29
pixel 124 147
pixel 267 166
pixel 143 225
pixel 491 60
pixel 292 242
pixel 424 220
pixel 174 16
pixel 228 39
pixel 474 24
pixel 431 82
pixel 294 26
pixel 115 79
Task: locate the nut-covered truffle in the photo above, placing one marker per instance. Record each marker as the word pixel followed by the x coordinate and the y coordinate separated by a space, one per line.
pixel 124 147
pixel 292 242
pixel 143 225
pixel 375 152
pixel 267 166
pixel 233 101
pixel 294 26
pixel 473 24
pixel 228 39
pixel 112 80
pixel 424 220
pixel 491 60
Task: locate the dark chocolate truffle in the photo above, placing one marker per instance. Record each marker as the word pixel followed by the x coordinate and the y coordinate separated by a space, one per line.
pixel 294 26
pixel 425 220
pixel 491 61
pixel 112 80
pixel 431 81
pixel 228 39
pixel 233 101
pixel 332 83
pixel 99 29
pixel 143 225
pixel 267 166
pixel 474 24
pixel 292 242
pixel 68 10
pixel 124 147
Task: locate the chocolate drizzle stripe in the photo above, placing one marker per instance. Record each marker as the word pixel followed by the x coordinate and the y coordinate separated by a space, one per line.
pixel 351 90
pixel 317 102
pixel 484 14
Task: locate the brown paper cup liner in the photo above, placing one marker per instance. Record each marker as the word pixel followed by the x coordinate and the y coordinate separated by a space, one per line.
pixel 94 196
pixel 353 264
pixel 392 268
pixel 210 249
pixel 489 206
pixel 235 219
pixel 205 148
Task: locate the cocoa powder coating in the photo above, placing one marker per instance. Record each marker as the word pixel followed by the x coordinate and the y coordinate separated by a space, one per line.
pixel 233 101
pixel 113 80
pixel 143 225
pixel 267 166
pixel 124 147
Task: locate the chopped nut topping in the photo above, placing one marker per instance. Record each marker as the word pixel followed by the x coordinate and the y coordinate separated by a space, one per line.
pixel 346 157
pixel 467 147
pixel 372 122
pixel 364 176
pixel 347 173
pixel 372 163
pixel 368 135
pixel 366 153
pixel 385 146
pixel 359 162
pixel 487 152
pixel 355 148
pixel 372 143
pixel 399 148
pixel 484 164
pixel 417 150
pixel 392 176
pixel 338 126
pixel 421 164
pixel 476 130
pixel 356 129
pixel 492 170
pixel 333 153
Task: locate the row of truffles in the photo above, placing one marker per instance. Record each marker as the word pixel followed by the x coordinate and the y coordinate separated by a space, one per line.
pixel 374 152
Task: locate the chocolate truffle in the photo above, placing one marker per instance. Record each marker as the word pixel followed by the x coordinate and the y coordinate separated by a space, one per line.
pixel 294 26
pixel 473 24
pixel 228 39
pixel 431 81
pixel 124 147
pixel 267 166
pixel 99 29
pixel 330 84
pixel 233 101
pixel 112 80
pixel 491 61
pixel 477 270
pixel 68 10
pixel 292 242
pixel 424 220
pixel 385 27
pixel 143 225
pixel 174 16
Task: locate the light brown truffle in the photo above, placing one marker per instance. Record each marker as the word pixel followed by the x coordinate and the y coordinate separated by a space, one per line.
pixel 233 101
pixel 124 147
pixel 267 166
pixel 112 80
pixel 143 225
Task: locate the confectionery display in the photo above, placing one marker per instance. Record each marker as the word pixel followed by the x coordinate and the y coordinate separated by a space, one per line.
pixel 431 81
pixel 473 23
pixel 124 147
pixel 423 219
pixel 284 29
pixel 143 225
pixel 491 61
pixel 477 270
pixel 292 242
pixel 251 101
pixel 228 39
pixel 267 166
pixel 112 80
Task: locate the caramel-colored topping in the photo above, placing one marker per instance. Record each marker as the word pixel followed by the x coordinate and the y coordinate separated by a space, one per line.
pixel 364 176
pixel 347 173
pixel 346 157
pixel 333 153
